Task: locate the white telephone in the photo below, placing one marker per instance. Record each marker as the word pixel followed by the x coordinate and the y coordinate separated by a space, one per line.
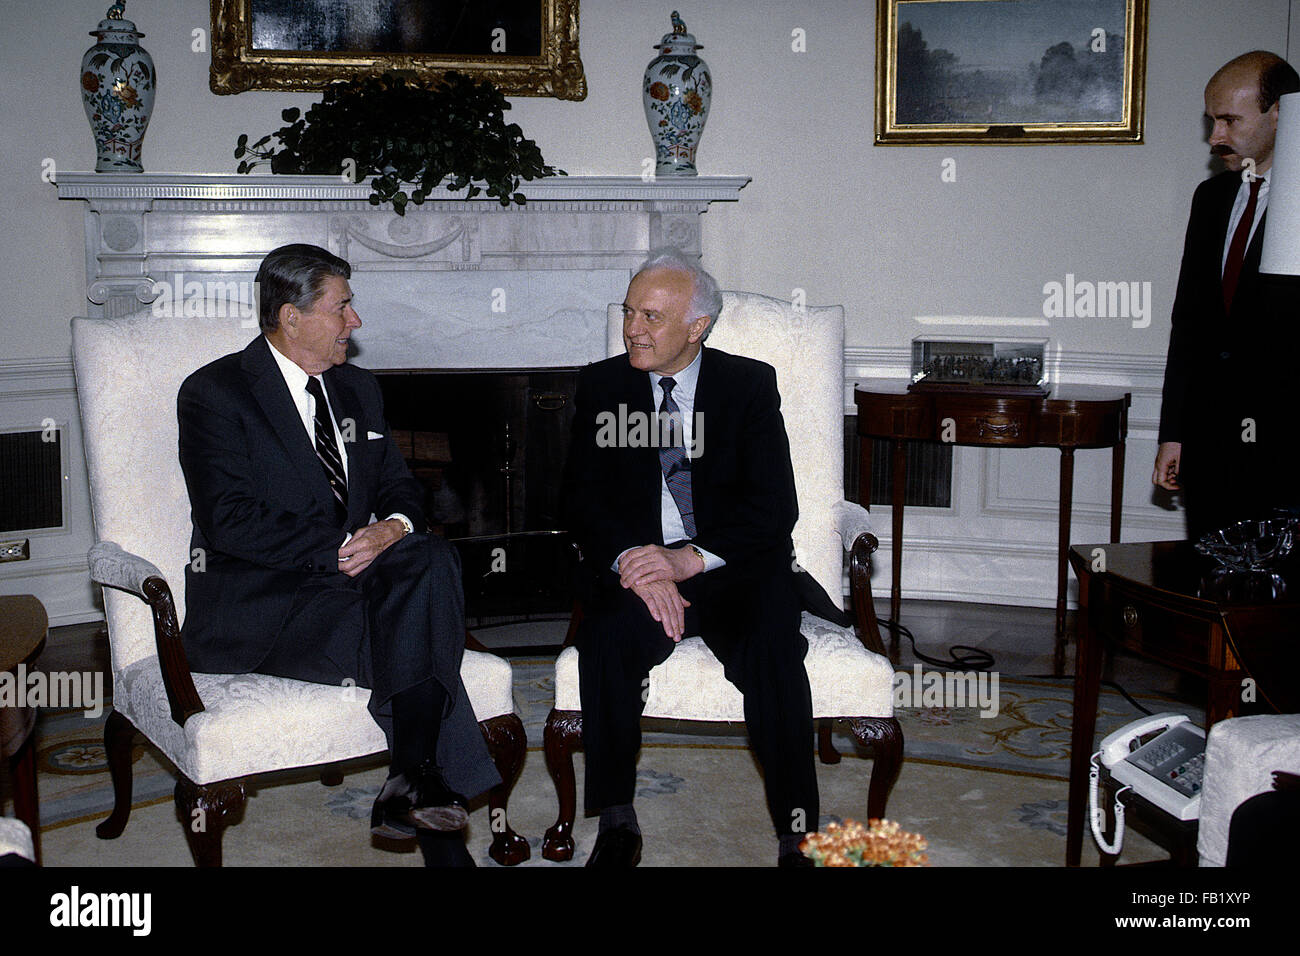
pixel 1166 769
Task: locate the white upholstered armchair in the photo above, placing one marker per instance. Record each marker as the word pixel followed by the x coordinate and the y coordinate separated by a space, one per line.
pixel 850 677
pixel 218 729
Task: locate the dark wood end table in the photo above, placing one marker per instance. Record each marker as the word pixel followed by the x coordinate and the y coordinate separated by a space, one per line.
pixel 23 627
pixel 1155 599
pixel 1070 417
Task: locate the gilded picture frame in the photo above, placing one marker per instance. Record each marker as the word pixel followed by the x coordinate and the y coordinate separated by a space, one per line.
pixel 307 44
pixel 1010 72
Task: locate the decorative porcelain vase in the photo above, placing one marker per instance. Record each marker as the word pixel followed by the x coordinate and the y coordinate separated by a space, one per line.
pixel 677 91
pixel 117 89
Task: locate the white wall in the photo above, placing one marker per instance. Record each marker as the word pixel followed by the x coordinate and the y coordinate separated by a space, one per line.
pixel 873 228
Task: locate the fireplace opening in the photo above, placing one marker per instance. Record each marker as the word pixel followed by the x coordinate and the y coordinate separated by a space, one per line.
pixel 489 448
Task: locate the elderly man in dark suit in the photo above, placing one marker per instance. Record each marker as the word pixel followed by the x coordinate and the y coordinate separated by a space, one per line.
pixel 685 529
pixel 316 561
pixel 1227 420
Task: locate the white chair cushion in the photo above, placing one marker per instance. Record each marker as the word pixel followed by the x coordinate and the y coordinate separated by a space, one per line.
pixel 16 838
pixel 254 723
pixel 1240 757
pixel 847 680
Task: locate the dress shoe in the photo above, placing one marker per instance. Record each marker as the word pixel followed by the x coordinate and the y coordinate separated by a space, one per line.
pixel 794 859
pixel 402 807
pixel 435 806
pixel 616 847
pixel 390 817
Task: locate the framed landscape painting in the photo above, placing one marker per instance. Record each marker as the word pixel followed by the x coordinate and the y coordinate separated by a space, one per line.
pixel 1004 72
pixel 525 47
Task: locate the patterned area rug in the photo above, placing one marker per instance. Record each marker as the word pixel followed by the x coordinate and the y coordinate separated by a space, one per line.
pixel 1002 777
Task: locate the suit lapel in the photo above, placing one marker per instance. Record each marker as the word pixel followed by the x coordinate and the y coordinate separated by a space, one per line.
pixel 272 395
pixel 708 396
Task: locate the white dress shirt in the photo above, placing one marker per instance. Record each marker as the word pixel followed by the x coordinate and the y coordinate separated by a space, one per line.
pixel 303 400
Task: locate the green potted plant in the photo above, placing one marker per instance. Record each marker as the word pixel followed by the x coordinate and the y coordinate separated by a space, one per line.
pixel 401 132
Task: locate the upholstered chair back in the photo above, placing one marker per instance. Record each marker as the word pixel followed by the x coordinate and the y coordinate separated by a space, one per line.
pixel 806 347
pixel 137 491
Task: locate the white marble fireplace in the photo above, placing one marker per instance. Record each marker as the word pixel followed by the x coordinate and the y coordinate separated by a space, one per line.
pixel 452 284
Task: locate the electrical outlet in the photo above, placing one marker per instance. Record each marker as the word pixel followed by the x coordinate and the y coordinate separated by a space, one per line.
pixel 17 550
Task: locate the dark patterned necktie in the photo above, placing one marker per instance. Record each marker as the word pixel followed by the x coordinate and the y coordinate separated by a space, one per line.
pixel 327 451
pixel 673 460
pixel 1237 250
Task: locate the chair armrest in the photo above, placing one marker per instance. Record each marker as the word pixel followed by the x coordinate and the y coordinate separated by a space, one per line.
pixel 853 523
pixel 114 567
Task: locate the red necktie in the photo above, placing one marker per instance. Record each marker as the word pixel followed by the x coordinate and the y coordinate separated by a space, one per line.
pixel 1237 250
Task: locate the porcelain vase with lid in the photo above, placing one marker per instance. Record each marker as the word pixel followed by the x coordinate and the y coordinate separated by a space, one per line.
pixel 676 91
pixel 117 88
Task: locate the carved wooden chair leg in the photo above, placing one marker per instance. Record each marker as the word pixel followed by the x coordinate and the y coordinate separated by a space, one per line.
pixel 331 775
pixel 883 737
pixel 205 812
pixel 119 736
pixel 508 742
pixel 563 733
pixel 825 748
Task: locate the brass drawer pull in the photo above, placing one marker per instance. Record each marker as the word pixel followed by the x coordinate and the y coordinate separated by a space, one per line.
pixel 987 428
pixel 1130 616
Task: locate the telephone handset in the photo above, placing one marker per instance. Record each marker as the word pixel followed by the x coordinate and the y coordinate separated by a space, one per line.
pixel 1162 758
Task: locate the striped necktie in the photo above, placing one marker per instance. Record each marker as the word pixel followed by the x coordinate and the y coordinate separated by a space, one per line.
pixel 673 460
pixel 327 451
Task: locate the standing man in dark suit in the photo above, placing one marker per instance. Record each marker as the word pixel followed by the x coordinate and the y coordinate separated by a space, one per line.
pixel 685 528
pixel 1227 421
pixel 289 464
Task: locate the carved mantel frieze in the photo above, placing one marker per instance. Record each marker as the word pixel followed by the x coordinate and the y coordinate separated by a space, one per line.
pixel 142 230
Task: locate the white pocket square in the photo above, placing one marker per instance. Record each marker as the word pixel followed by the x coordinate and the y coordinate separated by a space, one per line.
pixel 371 436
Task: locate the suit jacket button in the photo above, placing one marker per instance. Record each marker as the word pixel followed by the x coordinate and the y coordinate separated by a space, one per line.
pixel 1225 355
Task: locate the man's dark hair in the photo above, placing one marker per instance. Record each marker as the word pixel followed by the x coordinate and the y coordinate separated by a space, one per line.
pixel 1276 77
pixel 294 274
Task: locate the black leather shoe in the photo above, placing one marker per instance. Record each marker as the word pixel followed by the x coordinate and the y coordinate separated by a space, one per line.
pixel 434 805
pixel 617 847
pixel 402 807
pixel 390 817
pixel 794 859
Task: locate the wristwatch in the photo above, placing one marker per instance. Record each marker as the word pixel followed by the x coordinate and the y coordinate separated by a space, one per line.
pixel 699 554
pixel 406 523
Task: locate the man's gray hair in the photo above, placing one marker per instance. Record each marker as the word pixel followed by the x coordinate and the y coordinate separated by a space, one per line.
pixel 706 297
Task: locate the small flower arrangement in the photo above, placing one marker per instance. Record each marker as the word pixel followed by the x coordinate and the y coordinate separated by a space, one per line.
pixel 879 843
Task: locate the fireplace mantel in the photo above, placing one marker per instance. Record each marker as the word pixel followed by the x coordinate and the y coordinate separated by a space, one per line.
pixel 97 187
pixel 454 283
pixel 143 229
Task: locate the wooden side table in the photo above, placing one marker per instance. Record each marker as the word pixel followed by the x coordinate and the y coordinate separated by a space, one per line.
pixel 23 626
pixel 1152 599
pixel 1070 417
